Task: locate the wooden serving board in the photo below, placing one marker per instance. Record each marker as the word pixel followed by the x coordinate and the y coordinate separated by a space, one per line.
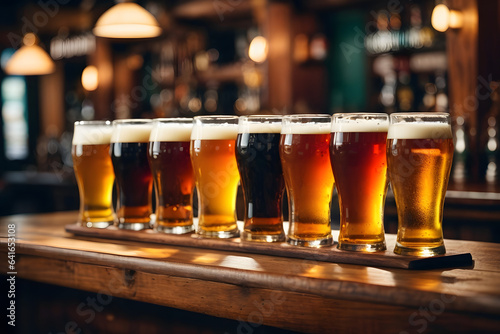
pixel 386 258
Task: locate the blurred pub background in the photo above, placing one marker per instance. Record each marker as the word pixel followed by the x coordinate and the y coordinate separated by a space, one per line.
pixel 247 57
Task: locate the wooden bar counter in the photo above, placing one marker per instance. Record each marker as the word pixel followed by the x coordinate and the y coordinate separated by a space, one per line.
pixel 303 295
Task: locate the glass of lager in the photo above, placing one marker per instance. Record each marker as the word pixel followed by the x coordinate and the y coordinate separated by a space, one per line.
pixel 257 155
pixel 213 146
pixel 172 174
pixel 419 156
pixel 94 172
pixel 129 153
pixel 358 156
pixel 305 158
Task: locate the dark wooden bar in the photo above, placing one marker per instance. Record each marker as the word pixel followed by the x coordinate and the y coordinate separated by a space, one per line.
pixel 294 294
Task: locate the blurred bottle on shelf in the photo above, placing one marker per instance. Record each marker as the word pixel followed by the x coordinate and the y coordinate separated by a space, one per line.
pixel 491 152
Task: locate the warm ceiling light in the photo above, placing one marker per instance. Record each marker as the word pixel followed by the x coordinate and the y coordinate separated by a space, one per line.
pixel 443 18
pixel 127 20
pixel 30 59
pixel 90 78
pixel 257 51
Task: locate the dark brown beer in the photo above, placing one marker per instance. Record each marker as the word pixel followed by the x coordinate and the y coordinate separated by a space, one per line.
pixel 262 180
pixel 134 183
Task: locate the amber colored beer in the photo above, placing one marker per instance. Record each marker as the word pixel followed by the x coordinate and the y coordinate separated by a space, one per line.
pixel 305 158
pixel 213 146
pixel 257 155
pixel 358 156
pixel 134 183
pixel 419 156
pixel 94 172
pixel 172 174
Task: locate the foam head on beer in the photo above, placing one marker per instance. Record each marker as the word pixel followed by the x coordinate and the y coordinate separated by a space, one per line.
pixel 419 129
pixel 306 124
pixel 131 131
pixel 88 133
pixel 260 124
pixel 171 130
pixel 360 123
pixel 214 131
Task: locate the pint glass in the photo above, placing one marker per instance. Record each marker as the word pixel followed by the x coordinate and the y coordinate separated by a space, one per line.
pixel 213 146
pixel 172 174
pixel 419 156
pixel 129 153
pixel 305 158
pixel 358 156
pixel 94 172
pixel 257 155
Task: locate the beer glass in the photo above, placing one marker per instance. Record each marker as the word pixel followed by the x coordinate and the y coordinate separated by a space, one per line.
pixel 94 172
pixel 172 174
pixel 305 158
pixel 213 146
pixel 134 183
pixel 358 156
pixel 257 155
pixel 419 156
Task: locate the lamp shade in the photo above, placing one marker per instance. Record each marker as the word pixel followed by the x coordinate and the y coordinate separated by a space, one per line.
pixel 127 20
pixel 30 60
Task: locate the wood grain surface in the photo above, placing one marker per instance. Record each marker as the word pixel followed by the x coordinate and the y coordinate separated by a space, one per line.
pixel 328 254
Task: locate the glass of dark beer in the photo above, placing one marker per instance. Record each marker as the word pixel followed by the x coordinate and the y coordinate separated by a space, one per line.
pixel 257 155
pixel 94 172
pixel 358 156
pixel 305 158
pixel 172 174
pixel 213 154
pixel 419 157
pixel 134 183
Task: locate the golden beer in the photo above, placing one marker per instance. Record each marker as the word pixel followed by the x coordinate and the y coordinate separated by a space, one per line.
pixel 419 157
pixel 213 145
pixel 172 174
pixel 94 172
pixel 134 183
pixel 305 158
pixel 358 155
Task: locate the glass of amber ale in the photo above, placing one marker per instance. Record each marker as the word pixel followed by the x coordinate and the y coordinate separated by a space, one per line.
pixel 94 172
pixel 257 155
pixel 358 156
pixel 305 158
pixel 134 183
pixel 419 157
pixel 172 174
pixel 213 146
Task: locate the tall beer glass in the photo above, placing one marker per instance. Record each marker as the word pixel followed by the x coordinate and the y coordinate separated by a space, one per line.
pixel 94 172
pixel 305 158
pixel 358 156
pixel 257 155
pixel 172 174
pixel 129 153
pixel 419 156
pixel 213 146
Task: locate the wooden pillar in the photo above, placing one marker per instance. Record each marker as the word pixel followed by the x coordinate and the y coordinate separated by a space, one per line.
pixel 278 26
pixel 102 97
pixel 51 99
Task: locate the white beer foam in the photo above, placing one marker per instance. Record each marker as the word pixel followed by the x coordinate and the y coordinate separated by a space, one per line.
pixel 92 135
pixel 362 125
pixel 306 128
pixel 255 127
pixel 419 130
pixel 171 132
pixel 215 132
pixel 127 133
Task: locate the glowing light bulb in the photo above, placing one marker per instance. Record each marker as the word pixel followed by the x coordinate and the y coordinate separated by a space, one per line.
pixel 257 50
